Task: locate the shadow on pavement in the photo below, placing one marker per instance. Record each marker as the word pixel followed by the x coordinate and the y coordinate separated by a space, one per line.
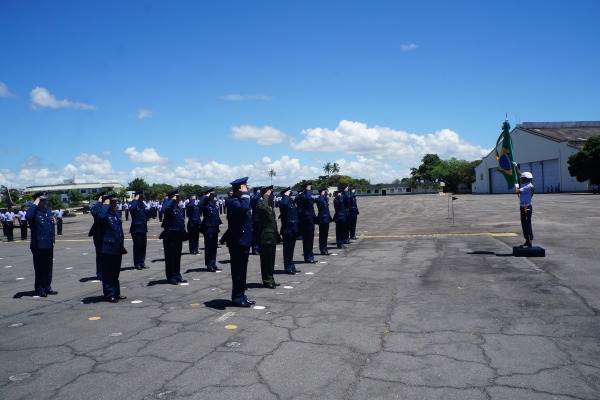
pixel 217 304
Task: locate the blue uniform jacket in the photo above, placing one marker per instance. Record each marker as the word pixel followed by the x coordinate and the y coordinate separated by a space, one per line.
pixel 254 200
pixel 352 206
pixel 112 228
pixel 340 209
pixel 324 216
pixel 240 221
pixel 42 227
pixel 139 219
pixel 193 213
pixel 289 217
pixel 95 229
pixel 306 208
pixel 210 212
pixel 173 221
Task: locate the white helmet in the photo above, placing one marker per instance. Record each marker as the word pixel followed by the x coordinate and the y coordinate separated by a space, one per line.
pixel 527 175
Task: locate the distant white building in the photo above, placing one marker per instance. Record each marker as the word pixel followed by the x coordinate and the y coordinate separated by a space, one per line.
pixel 542 148
pixel 63 189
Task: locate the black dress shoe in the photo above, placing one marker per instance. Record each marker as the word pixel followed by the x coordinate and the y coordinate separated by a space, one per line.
pixel 354 238
pixel 112 300
pixel 138 267
pixel 276 284
pixel 325 254
pixel 244 304
pixel 269 285
pixel 144 266
pixel 251 302
pixel 181 280
pixel 341 247
pixel 173 282
pixel 297 271
pixel 51 292
pixel 121 297
pixel 42 295
pixel 290 272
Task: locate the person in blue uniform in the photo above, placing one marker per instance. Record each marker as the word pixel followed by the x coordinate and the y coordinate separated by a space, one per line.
pixel 352 213
pixel 239 240
pixel 525 192
pixel 173 236
pixel 289 229
pixel 96 234
pixel 41 223
pixel 341 228
pixel 193 225
pixel 210 228
pixel 254 200
pixel 138 230
pixel 347 197
pixel 113 240
pixel 307 222
pixel 323 219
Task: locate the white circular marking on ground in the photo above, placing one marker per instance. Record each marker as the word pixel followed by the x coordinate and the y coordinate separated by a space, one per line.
pixel 277 265
pixel 288 287
pixel 334 254
pixel 8 266
pixel 115 334
pixel 218 272
pixel 17 325
pixel 154 235
pixel 69 268
pixel 85 254
pixel 309 273
pixel 295 282
pixel 322 262
pixel 68 248
pixel 20 377
pixel 183 283
pixel 259 307
pixel 136 301
pixel 233 344
pixel 95 281
pixel 196 279
pixel 20 279
pixel 279 293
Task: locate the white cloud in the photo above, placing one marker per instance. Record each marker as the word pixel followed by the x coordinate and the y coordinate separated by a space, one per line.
pixel 41 97
pixel 241 97
pixel 144 113
pixel 383 143
pixel 264 136
pixel 409 47
pixel 4 92
pixel 146 156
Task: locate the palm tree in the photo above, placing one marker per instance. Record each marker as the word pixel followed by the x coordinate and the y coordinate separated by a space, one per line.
pixel 335 168
pixel 272 173
pixel 327 168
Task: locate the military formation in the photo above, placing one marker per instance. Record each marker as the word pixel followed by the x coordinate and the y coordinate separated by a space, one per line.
pixel 253 229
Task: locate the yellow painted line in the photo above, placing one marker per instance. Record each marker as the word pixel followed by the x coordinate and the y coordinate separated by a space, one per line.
pixel 492 234
pixel 94 318
pixel 231 327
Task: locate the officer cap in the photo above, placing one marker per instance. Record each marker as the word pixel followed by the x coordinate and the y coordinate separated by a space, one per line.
pixel 265 188
pixel 239 181
pixel 341 188
pixel 307 184
pixel 189 196
pixel 321 189
pixel 40 195
pixel 110 196
pixel 527 175
pixel 256 189
pixel 211 190
pixel 285 190
pixel 351 188
pixel 173 193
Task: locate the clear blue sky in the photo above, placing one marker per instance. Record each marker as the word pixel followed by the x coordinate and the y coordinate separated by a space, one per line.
pixel 204 92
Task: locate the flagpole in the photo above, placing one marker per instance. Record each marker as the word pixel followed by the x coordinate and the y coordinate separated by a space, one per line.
pixel 449 207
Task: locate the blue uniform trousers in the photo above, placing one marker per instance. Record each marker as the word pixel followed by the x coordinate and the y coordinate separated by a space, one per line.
pixel 323 233
pixel 23 230
pixel 42 264
pixel 210 249
pixel 526 213
pixel 341 233
pixel 289 243
pixel 111 269
pixel 140 242
pixel 194 232
pixel 352 218
pixel 98 246
pixel 308 237
pixel 239 269
pixel 172 248
pixel 9 231
pixel 59 226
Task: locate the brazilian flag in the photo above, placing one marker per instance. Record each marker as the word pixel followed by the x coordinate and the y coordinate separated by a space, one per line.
pixel 505 158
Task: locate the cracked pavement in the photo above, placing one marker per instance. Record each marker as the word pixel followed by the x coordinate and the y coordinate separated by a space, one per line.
pixel 414 309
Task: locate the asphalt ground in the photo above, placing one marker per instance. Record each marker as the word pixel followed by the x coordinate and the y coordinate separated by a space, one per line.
pixel 421 306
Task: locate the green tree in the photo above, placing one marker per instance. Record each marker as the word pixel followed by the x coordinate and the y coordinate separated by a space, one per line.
pixel 158 191
pixel 585 165
pixel 75 197
pixel 454 172
pixel 335 168
pixel 425 170
pixel 272 173
pixel 138 185
pixel 327 168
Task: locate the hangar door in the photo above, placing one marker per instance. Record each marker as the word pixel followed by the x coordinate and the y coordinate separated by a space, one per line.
pixel 546 177
pixel 551 176
pixel 498 183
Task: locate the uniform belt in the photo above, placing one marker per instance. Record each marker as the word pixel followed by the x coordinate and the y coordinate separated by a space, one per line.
pixel 524 205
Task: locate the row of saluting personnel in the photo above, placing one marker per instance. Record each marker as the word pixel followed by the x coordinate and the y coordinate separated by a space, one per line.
pixel 252 226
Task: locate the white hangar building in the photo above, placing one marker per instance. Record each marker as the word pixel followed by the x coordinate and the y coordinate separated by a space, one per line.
pixel 542 148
